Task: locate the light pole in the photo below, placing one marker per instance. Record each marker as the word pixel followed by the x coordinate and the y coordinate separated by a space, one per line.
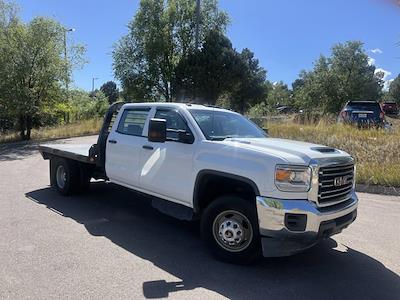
pixel 93 79
pixel 197 23
pixel 66 117
pixel 66 56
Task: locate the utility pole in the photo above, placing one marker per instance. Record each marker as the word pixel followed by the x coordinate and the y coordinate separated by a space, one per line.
pixel 66 117
pixel 66 56
pixel 197 23
pixel 93 79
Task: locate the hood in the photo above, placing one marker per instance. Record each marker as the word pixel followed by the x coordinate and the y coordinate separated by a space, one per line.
pixel 294 152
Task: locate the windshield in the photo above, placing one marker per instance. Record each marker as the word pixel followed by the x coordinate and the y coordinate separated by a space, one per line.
pixel 219 125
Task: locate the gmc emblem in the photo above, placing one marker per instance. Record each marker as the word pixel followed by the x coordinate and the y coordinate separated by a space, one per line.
pixel 339 181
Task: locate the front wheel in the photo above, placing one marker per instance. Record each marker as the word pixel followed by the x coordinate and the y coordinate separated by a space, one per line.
pixel 230 229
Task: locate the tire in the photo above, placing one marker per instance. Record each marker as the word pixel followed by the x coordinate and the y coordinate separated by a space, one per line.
pixel 65 176
pixel 85 173
pixel 229 228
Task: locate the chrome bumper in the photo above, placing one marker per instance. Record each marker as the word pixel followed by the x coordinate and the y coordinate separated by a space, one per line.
pixel 278 240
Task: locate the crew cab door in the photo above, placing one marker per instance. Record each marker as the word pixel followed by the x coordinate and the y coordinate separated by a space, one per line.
pixel 124 145
pixel 167 168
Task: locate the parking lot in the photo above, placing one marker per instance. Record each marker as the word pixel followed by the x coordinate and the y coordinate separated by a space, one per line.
pixel 110 243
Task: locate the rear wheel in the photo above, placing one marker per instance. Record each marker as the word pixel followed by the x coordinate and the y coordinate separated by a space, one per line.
pixel 230 230
pixel 65 176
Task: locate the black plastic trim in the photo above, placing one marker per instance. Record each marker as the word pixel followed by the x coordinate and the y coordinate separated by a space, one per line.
pixel 205 172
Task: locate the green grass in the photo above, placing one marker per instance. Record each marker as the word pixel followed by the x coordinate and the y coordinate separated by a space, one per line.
pixel 85 127
pixel 377 152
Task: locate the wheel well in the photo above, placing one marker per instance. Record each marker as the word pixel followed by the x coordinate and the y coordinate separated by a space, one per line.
pixel 214 184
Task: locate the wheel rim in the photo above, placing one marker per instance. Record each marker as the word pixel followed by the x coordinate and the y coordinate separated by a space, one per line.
pixel 232 230
pixel 61 176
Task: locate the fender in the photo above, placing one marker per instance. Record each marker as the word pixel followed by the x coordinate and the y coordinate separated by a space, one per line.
pixel 206 172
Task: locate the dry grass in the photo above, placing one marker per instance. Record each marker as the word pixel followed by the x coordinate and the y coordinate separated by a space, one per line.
pixel 61 131
pixel 377 152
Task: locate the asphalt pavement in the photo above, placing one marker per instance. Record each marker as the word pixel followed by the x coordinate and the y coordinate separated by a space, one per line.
pixel 111 244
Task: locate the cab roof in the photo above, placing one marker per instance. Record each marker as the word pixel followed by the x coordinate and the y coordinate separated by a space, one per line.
pixel 177 105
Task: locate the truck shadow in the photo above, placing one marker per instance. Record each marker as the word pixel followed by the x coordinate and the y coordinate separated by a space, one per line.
pixel 128 220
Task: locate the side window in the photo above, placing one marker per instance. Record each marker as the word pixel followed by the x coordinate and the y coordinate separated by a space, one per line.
pixel 132 121
pixel 175 123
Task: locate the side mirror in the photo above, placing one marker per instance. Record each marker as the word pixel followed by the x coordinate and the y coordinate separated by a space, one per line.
pixel 157 130
pixel 185 137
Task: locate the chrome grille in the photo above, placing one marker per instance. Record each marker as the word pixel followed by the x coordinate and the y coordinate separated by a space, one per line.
pixel 335 183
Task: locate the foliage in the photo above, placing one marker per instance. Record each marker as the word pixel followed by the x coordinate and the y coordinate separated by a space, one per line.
pixel 394 90
pixel 219 70
pixel 258 111
pixel 32 68
pixel 79 128
pixel 160 35
pixel 84 106
pixel 250 87
pixel 345 75
pixel 279 94
pixel 376 151
pixel 207 73
pixel 111 91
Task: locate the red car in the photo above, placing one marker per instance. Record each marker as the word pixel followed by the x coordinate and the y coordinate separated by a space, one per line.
pixel 390 108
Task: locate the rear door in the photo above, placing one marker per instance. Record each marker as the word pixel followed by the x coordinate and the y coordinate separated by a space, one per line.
pixel 167 168
pixel 124 145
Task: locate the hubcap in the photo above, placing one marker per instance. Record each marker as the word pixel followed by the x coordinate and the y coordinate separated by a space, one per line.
pixel 61 176
pixel 232 230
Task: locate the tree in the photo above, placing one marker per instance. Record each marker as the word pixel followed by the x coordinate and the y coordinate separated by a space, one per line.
pixel 394 90
pixel 345 75
pixel 219 72
pixel 206 74
pixel 33 69
pixel 111 91
pixel 250 87
pixel 279 94
pixel 160 35
pixel 84 105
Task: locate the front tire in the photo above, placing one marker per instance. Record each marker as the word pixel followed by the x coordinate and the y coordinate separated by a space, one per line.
pixel 230 230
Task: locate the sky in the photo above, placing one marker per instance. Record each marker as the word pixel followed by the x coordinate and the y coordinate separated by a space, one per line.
pixel 287 36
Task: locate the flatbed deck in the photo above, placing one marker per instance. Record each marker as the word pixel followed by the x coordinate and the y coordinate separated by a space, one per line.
pixel 79 152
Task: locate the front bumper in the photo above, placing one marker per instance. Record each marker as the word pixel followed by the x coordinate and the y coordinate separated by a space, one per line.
pixel 290 226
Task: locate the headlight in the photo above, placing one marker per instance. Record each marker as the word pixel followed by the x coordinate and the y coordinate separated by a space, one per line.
pixel 292 178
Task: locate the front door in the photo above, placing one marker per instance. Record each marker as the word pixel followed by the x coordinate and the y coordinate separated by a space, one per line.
pixel 167 168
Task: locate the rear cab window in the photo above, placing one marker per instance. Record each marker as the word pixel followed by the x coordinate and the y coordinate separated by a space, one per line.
pixel 132 121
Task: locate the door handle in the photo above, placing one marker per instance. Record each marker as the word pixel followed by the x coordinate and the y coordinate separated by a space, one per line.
pixel 147 147
pixel 112 141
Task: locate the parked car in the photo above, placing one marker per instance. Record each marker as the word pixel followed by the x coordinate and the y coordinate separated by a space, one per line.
pixel 390 108
pixel 252 194
pixel 362 114
pixel 285 109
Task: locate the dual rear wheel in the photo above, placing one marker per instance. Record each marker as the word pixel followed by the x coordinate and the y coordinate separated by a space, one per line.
pixel 68 177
